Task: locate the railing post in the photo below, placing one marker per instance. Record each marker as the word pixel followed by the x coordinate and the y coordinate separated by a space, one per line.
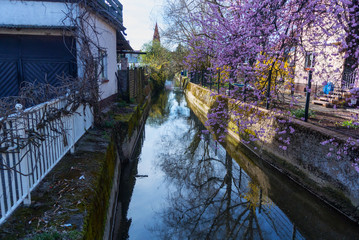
pixel 72 150
pixel 244 88
pixel 219 79
pixel 25 167
pixel 72 122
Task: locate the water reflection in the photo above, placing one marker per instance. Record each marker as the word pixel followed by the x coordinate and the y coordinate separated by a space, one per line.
pixel 212 198
pixel 195 190
pixel 160 111
pixel 127 183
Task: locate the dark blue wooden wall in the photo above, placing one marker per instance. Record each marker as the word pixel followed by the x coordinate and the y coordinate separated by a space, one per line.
pixel 28 58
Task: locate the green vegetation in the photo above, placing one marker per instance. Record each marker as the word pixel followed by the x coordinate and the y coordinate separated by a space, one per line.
pixel 162 63
pixel 299 113
pixel 350 124
pixel 157 60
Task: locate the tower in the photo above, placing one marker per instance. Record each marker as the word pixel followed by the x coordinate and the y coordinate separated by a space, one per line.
pixel 156 34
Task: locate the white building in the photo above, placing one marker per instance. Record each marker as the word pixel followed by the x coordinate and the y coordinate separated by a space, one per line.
pixel 37 41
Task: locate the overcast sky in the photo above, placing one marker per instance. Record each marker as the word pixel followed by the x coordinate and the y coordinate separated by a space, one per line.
pixel 139 17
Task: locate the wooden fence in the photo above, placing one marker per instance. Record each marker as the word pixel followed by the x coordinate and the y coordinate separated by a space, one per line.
pixel 131 83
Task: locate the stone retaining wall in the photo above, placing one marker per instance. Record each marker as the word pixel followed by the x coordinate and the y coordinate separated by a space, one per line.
pixel 305 160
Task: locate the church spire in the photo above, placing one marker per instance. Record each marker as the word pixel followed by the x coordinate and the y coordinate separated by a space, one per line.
pixel 156 34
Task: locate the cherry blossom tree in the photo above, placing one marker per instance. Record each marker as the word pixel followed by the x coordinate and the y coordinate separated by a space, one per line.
pixel 252 48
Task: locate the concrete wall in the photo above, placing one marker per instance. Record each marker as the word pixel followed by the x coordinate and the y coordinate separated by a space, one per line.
pixel 305 160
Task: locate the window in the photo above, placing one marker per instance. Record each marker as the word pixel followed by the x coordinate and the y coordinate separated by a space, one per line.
pixel 103 64
pixel 309 60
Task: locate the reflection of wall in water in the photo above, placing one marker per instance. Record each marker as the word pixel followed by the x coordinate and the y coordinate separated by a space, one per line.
pixel 121 223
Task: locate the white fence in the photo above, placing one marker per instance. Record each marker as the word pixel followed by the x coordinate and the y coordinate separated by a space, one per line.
pixel 350 79
pixel 25 163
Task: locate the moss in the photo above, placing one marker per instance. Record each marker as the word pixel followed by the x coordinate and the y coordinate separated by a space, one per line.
pixel 129 121
pixel 95 222
pixel 96 218
pixel 125 117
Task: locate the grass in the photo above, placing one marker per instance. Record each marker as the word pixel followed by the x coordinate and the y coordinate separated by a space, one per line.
pixel 299 113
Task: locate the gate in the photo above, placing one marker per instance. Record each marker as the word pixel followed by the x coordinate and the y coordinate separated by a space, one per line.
pixel 43 59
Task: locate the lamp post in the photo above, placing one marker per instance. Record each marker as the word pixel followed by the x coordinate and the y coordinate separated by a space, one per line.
pixel 307 100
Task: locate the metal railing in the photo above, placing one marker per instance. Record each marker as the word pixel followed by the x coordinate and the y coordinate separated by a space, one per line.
pixel 22 165
pixel 113 7
pixel 349 79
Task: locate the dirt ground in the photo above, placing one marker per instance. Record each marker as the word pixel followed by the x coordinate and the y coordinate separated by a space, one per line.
pixel 333 118
pixel 334 123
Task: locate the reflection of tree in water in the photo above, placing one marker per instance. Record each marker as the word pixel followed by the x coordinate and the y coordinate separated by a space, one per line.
pixel 213 200
pixel 160 110
pixel 179 97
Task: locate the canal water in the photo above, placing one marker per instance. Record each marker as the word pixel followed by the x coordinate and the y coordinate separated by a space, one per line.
pixel 181 184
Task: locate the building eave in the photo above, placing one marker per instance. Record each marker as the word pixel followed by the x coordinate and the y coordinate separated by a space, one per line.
pixel 122 43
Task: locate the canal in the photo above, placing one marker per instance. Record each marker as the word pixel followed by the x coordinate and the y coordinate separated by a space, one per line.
pixel 181 184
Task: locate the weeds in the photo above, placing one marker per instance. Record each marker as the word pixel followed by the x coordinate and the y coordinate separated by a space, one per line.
pixel 299 113
pixel 350 124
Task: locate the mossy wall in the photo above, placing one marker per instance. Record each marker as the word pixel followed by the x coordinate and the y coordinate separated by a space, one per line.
pixel 123 140
pixel 96 218
pixel 305 160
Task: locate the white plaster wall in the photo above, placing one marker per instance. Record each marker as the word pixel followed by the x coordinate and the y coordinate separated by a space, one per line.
pixel 31 13
pixel 328 60
pixel 328 67
pixel 103 35
pixel 107 40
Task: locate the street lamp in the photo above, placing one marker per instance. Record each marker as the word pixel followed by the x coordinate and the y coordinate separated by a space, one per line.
pixel 309 66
